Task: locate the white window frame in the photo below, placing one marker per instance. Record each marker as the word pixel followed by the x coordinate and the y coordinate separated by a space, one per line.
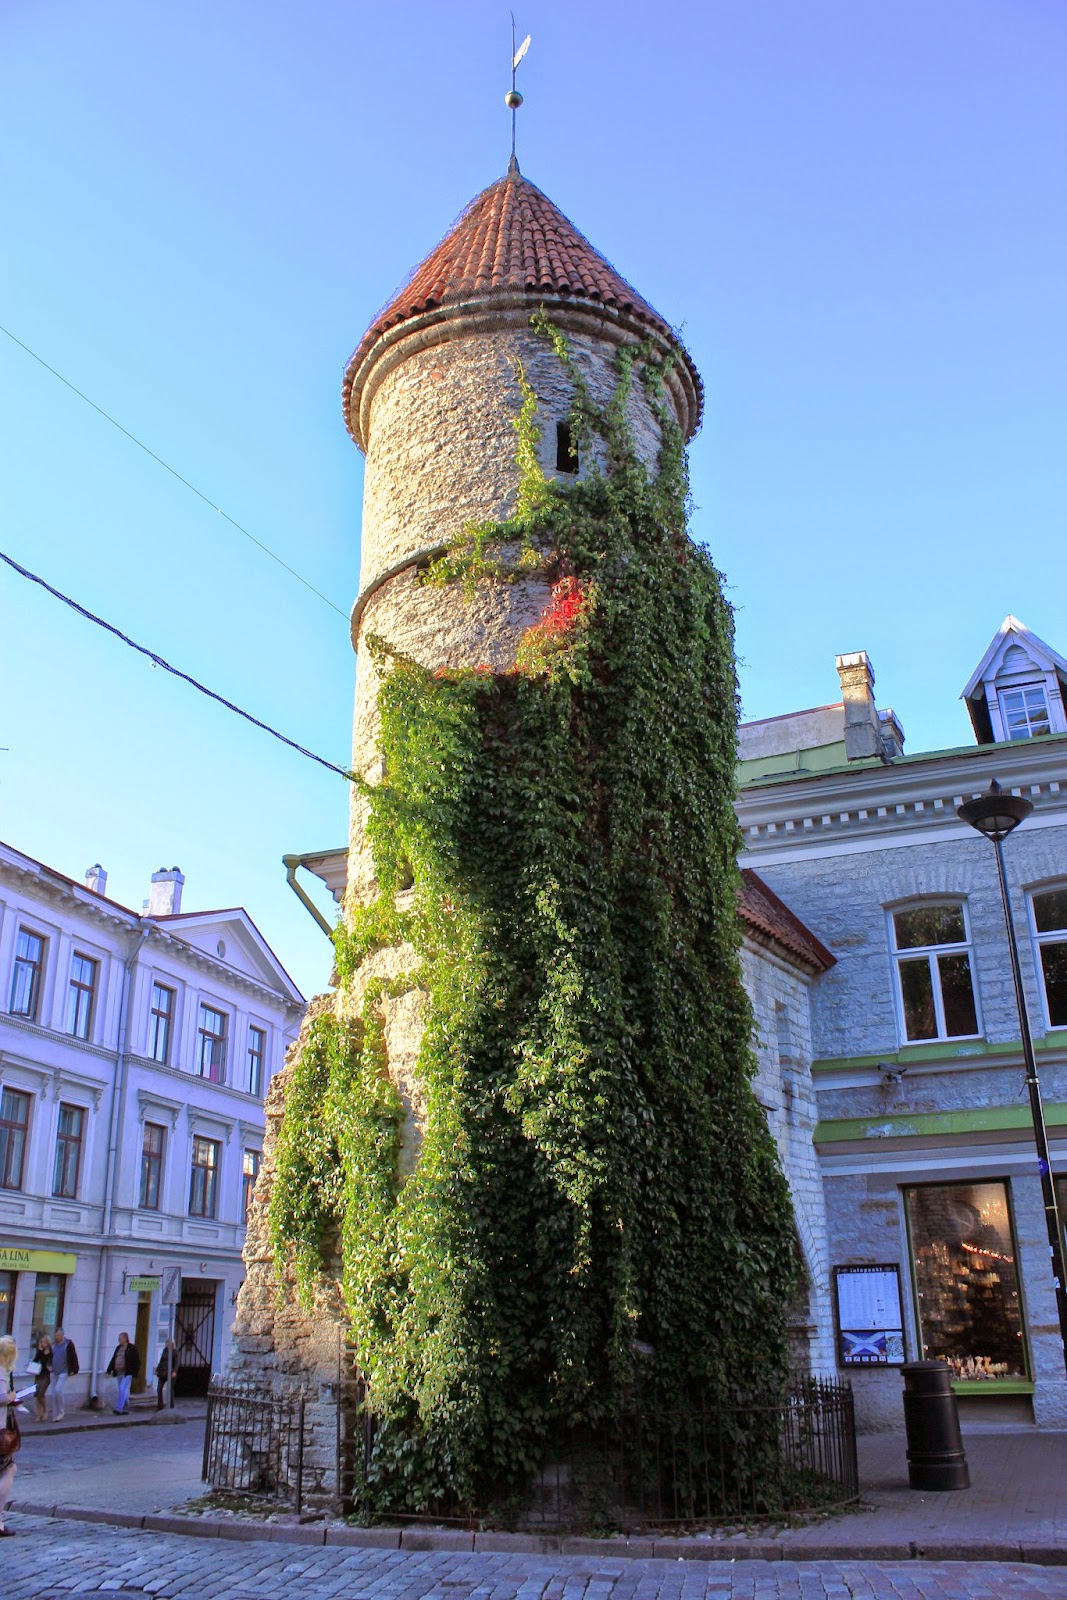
pixel 1056 936
pixel 225 1040
pixel 1003 690
pixel 932 951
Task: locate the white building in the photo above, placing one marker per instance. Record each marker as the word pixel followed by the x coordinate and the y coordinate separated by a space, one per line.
pixel 135 1051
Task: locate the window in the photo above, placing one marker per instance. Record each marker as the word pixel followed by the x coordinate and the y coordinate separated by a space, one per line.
pixel 159 1023
pixel 203 1184
pixel 249 1174
pixel 80 996
pixel 211 1044
pixel 966 1284
pixel 68 1152
pixel 934 972
pixel 151 1166
pixel 7 1301
pixel 257 1049
pixel 26 979
pixel 49 1292
pixel 1025 711
pixel 566 451
pixel 14 1121
pixel 1050 928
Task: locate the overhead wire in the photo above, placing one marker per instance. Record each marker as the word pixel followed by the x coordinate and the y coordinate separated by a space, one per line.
pixel 173 472
pixel 158 661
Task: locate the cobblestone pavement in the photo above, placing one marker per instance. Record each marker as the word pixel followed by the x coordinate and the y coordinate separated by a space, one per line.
pixel 50 1559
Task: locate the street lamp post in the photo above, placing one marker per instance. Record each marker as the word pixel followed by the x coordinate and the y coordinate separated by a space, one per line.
pixel 995 815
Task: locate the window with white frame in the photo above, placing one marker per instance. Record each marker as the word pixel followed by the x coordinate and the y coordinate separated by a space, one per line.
pixel 80 995
pixel 249 1173
pixel 26 975
pixel 1025 711
pixel 152 1144
pixel 257 1049
pixel 1049 907
pixel 211 1044
pixel 934 982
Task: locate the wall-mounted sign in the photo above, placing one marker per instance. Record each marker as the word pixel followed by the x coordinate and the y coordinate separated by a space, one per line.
pixel 870 1324
pixel 13 1258
pixel 142 1285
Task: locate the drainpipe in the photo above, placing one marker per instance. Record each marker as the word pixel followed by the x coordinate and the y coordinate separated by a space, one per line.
pixel 118 1111
pixel 291 863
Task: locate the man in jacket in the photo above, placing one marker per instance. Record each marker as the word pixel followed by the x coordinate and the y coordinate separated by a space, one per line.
pixel 64 1365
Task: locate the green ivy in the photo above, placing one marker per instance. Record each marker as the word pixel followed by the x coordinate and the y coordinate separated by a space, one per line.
pixel 597 1201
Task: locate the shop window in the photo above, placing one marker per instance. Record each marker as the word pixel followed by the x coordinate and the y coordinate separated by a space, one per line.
pixel 151 1166
pixel 14 1122
pixel 1049 907
pixel 7 1300
pixel 934 972
pixel 966 1283
pixel 68 1160
pixel 48 1292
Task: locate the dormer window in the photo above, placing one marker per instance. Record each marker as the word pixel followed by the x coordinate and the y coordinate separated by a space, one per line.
pixel 566 450
pixel 1025 711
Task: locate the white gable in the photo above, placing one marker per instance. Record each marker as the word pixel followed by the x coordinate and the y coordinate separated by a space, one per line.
pixel 1018 688
pixel 232 939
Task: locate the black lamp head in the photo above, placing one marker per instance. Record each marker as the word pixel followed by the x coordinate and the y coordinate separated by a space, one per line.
pixel 995 813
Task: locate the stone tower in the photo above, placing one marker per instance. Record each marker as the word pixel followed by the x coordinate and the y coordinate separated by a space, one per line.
pixel 431 396
pixel 514 1167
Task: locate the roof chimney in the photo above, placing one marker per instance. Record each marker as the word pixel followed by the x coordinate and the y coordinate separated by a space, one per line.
pixel 863 737
pixel 96 879
pixel 165 895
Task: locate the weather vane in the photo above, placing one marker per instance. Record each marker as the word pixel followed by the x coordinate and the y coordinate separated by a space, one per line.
pixel 513 99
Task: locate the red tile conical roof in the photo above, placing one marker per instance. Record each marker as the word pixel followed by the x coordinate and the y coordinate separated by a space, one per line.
pixel 511 240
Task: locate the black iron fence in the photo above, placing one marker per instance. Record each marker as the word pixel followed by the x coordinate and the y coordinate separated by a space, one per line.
pixel 649 1467
pixel 254 1441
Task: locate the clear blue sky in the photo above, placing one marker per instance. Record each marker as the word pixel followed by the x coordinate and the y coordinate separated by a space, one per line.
pixel 857 214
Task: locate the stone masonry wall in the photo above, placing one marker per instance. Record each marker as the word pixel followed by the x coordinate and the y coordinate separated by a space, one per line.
pixel 781 1004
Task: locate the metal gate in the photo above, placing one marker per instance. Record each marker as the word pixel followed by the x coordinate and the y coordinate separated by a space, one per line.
pixel 194 1335
pixel 254 1441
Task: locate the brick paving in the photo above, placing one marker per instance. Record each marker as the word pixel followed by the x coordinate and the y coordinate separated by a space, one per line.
pixel 50 1559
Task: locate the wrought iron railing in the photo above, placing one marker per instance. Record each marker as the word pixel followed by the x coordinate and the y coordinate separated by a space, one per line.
pixel 254 1441
pixel 704 1463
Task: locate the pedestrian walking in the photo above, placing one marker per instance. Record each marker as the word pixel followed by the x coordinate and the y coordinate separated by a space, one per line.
pixel 166 1367
pixel 10 1439
pixel 64 1366
pixel 41 1368
pixel 124 1366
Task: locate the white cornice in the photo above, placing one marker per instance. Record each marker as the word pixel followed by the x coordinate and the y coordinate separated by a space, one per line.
pixel 903 802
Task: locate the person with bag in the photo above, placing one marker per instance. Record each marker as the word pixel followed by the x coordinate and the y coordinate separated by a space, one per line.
pixel 124 1366
pixel 64 1365
pixel 41 1368
pixel 10 1437
pixel 166 1367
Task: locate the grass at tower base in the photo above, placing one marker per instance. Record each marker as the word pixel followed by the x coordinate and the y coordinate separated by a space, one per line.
pixel 597 1201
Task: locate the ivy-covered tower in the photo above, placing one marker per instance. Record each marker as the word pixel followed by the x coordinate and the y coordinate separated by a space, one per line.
pixel 519 1153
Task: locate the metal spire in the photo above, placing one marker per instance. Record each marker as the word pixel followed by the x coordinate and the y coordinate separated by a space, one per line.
pixel 513 99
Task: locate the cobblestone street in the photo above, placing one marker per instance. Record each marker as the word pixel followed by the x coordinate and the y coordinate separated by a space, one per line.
pixel 53 1558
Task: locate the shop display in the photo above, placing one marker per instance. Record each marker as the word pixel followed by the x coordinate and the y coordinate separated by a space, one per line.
pixel 967 1288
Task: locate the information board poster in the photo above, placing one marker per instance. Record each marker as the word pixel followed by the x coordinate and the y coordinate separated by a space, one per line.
pixel 870 1324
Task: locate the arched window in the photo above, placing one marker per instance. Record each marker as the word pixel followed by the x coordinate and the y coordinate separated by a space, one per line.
pixel 935 987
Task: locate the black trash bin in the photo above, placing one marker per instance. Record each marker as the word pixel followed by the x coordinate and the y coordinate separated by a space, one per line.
pixel 931 1419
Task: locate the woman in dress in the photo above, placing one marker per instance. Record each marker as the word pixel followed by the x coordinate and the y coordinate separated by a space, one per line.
pixel 43 1377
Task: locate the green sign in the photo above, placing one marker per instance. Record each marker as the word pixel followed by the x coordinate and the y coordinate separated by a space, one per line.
pixel 142 1285
pixel 13 1258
